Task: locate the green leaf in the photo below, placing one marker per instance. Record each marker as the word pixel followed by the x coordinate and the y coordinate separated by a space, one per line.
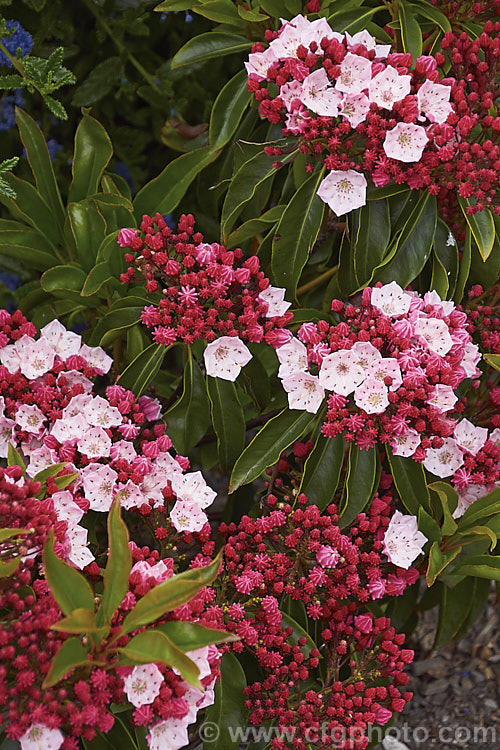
pixel 209 46
pixel 481 566
pixel 188 636
pixel 221 11
pixel 114 323
pixel 446 257
pixel 170 594
pixel 173 5
pixel 493 360
pixel 409 478
pixel 359 484
pixel 464 266
pixel 228 109
pixel 228 421
pixel 69 587
pixel 30 207
pixel 79 621
pixel 480 509
pixel 6 534
pixel 55 106
pixel 188 419
pixel 482 227
pixel 454 610
pixel 97 277
pixel 253 227
pixel 322 470
pixel 438 561
pixel 250 176
pixel 40 163
pixel 475 531
pixel 71 654
pixel 428 526
pixel 164 192
pixel 63 278
pixel 88 228
pixel 154 646
pixel 296 234
pixel 99 83
pixel 411 33
pixel 26 245
pixel 228 709
pixel 118 566
pixel 449 501
pixel 433 14
pixel 93 150
pixel 484 272
pixel 142 370
pixel 10 567
pixel 14 458
pixel 267 446
pixel 370 237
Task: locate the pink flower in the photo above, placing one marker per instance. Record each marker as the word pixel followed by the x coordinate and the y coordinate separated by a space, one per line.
pixel 366 354
pixel 403 542
pixel 364 623
pixel 319 95
pixel 435 333
pixel 225 357
pixel 469 437
pixel 388 87
pixel 40 737
pixel 129 495
pixel 171 734
pixel 96 357
pixel 187 516
pixel 95 443
pixel 192 488
pixel 143 684
pixel 66 508
pixel 343 190
pixel 304 391
pixel 150 407
pixel 126 237
pixel 79 554
pixel 405 445
pixel 292 357
pixel 36 357
pixel 340 372
pixel 434 101
pixel 371 396
pixel 444 461
pixel 30 418
pixel 354 107
pixel 275 299
pixel 289 92
pixel 391 299
pixel 405 142
pixel 443 398
pixel 327 557
pixel 366 39
pixel 382 715
pixel 355 74
pixel 259 63
pixel 387 367
pixel 98 485
pixel 64 343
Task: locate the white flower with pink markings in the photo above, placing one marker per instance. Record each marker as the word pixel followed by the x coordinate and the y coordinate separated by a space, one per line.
pixel 343 190
pixel 94 443
pixel 435 333
pixel 304 391
pixel 469 437
pixel 129 495
pixel 225 357
pixel 405 142
pixel 100 413
pixel 366 354
pixel 99 486
pixel 341 373
pixel 443 398
pixel 187 516
pixel 69 428
pixel 434 101
pixel 289 92
pixel 170 734
pixel 371 396
pixel 64 343
pixel 259 63
pixel 386 367
pixel 292 358
pixel 193 488
pixel 391 299
pixel 30 418
pixel 388 87
pixel 41 737
pixel 79 554
pixel 319 95
pixel 275 299
pixel 143 684
pixel 96 358
pixel 354 107
pixel 403 542
pixel 355 74
pixel 6 435
pixel 65 507
pixel 444 461
pixel 405 445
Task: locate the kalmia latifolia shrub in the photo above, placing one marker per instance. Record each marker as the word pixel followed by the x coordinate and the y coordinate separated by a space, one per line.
pixel 366 112
pixel 392 365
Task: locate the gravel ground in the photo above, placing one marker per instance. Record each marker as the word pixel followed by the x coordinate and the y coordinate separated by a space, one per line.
pixel 456 702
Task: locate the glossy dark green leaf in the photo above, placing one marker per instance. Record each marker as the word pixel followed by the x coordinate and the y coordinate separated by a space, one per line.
pixel 173 5
pixel 220 11
pixel 409 478
pixel 482 227
pixel 353 19
pixel 69 587
pixel 142 370
pixel 255 382
pixel 63 278
pixel 228 109
pixel 322 470
pixel 228 421
pixel 359 484
pixel 445 254
pixel 480 566
pixel 97 277
pixel 438 561
pixel 454 609
pixel 449 501
pixel 209 46
pixel 252 174
pixel 484 272
pixel 481 509
pixel 164 192
pixel 188 636
pixel 40 163
pixel 71 654
pixel 154 646
pixel 411 33
pixel 189 418
pixel 266 447
pixel 254 227
pixel 431 12
pixel 428 526
pixel 93 150
pixel 118 566
pixel 112 325
pixel 296 234
pixel 89 230
pixel 170 594
pixel 464 266
pixel 30 208
pixel 99 82
pixel 228 709
pixel 370 235
pixel 26 245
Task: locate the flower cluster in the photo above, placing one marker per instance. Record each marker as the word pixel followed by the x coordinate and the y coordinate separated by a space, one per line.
pixel 202 291
pixel 49 412
pixel 16 38
pixel 364 111
pixel 301 555
pixel 392 366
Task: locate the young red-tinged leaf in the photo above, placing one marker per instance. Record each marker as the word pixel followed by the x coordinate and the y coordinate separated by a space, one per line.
pixel 69 587
pixel 438 561
pixel 170 594
pixel 79 621
pixel 118 567
pixel 71 654
pixel 188 636
pixel 153 646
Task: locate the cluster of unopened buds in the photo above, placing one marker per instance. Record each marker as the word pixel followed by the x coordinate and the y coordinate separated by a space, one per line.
pixel 112 444
pixel 202 291
pixel 392 366
pixel 365 111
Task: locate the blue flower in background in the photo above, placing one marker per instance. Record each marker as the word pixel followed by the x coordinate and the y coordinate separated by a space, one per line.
pixel 20 38
pixel 122 170
pixel 7 109
pixel 54 147
pixel 10 280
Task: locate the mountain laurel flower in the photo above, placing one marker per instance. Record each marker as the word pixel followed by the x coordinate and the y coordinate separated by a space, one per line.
pixel 371 396
pixel 443 398
pixel 403 542
pixel 388 87
pixel 391 299
pixel 275 299
pixel 225 357
pixel 354 107
pixel 304 391
pixel 143 684
pixel 405 142
pixel 435 334
pixel 171 733
pixel 292 357
pixel 41 737
pixel 444 461
pixel 434 101
pixel 405 445
pixel 187 516
pixel 192 488
pixel 469 437
pixel 355 74
pixel 340 372
pixel 343 190
pixel 64 343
